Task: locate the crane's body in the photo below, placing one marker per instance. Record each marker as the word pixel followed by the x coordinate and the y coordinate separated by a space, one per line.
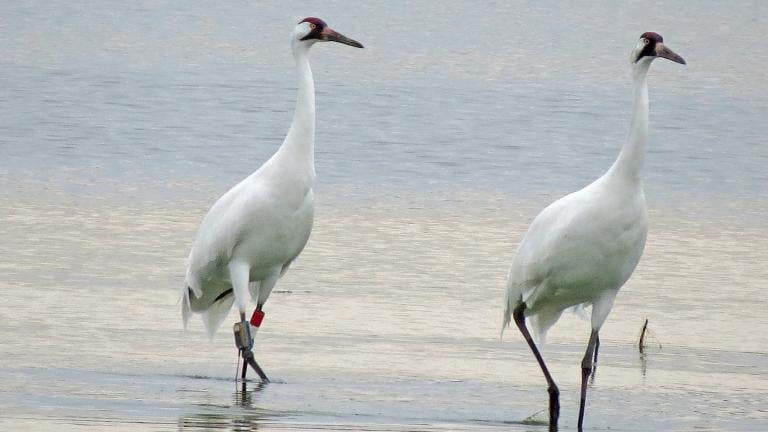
pixel 263 223
pixel 581 249
pixel 252 234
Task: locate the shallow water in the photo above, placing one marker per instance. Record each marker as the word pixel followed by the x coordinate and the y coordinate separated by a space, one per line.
pixel 436 146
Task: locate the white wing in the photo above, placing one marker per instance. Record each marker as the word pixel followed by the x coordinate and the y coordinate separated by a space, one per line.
pixel 578 248
pixel 264 220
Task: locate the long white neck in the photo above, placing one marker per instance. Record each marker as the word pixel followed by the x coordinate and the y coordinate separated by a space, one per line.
pixel 630 160
pixel 298 149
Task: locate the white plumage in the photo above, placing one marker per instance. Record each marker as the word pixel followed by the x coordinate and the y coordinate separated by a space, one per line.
pixel 581 249
pixel 253 232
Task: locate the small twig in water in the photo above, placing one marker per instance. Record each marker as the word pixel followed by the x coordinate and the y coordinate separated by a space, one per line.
pixel 641 342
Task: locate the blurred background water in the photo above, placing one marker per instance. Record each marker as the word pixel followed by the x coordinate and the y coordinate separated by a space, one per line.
pixel 120 123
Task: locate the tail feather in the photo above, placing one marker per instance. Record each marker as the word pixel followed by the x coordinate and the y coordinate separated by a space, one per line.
pixel 509 307
pixel 186 308
pixel 213 315
pixel 216 313
pixel 541 322
pixel 512 299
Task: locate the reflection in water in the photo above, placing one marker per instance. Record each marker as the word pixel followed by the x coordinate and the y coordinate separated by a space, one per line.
pixel 244 397
pixel 240 416
pixel 223 421
pixel 643 357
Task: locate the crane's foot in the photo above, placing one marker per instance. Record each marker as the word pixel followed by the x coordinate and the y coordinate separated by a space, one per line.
pixel 248 360
pixel 244 343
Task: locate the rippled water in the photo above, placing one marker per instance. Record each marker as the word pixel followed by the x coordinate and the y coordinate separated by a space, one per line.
pixel 437 144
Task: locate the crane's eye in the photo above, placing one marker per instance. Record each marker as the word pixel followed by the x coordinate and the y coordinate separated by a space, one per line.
pixel 312 26
pixel 646 41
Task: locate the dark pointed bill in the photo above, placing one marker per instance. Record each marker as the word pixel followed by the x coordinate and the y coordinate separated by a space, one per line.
pixel 663 51
pixel 332 35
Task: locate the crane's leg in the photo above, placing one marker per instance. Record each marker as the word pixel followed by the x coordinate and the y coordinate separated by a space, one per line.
pixel 554 392
pixel 244 343
pixel 239 274
pixel 586 371
pixel 256 318
pixel 597 348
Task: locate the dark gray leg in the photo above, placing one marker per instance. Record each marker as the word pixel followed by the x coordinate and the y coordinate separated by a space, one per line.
pixel 244 342
pixel 248 358
pixel 554 392
pixel 586 371
pixel 597 348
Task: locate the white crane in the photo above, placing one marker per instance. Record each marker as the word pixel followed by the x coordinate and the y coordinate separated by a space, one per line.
pixel 582 248
pixel 253 232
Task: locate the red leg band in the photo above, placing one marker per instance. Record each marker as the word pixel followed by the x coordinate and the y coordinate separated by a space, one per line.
pixel 257 318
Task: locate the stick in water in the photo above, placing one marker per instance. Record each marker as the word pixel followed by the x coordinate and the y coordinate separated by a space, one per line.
pixel 641 342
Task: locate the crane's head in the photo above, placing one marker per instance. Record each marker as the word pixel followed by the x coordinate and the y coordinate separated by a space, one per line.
pixel 311 30
pixel 651 46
